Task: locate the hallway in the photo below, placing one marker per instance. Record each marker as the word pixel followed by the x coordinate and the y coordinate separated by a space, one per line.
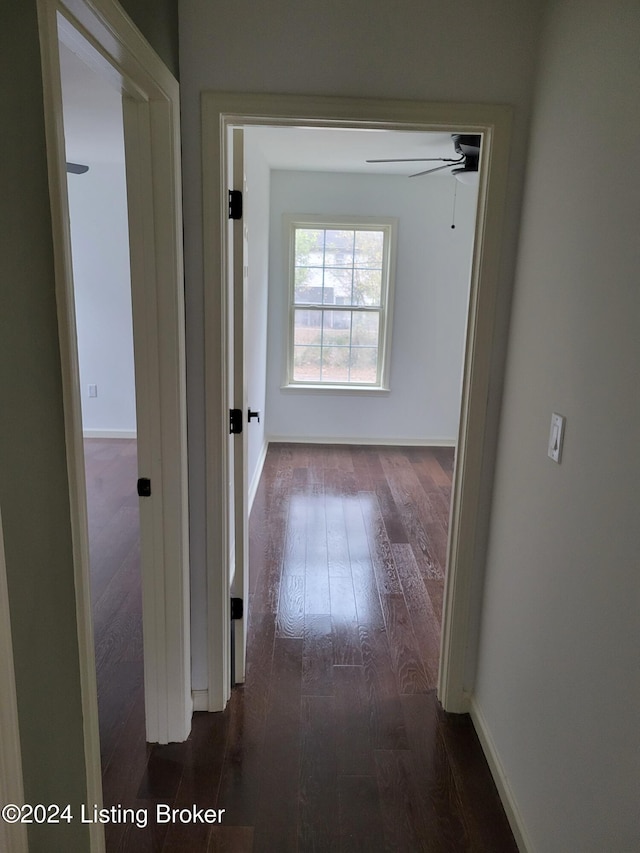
pixel 336 742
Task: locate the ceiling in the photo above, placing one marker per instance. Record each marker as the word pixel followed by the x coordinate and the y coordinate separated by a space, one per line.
pixel 347 150
pixel 93 133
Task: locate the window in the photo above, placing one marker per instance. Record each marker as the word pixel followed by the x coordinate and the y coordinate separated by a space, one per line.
pixel 340 302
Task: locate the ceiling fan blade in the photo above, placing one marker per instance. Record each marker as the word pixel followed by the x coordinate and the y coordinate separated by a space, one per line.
pixel 437 169
pixel 420 160
pixel 77 168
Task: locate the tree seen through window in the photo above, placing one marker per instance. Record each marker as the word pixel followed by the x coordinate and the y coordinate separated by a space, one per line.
pixel 339 293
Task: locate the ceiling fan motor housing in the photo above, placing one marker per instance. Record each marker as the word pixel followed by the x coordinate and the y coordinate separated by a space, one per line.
pixel 468 146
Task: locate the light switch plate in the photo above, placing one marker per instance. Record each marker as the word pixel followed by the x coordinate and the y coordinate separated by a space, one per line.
pixel 556 437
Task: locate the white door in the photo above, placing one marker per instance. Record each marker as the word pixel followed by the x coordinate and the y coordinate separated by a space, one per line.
pixel 239 485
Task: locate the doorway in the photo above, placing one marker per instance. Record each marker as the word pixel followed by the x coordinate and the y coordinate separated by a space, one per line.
pixel 109 44
pixel 97 193
pixel 220 111
pixel 225 111
pixel 419 407
pixel 330 289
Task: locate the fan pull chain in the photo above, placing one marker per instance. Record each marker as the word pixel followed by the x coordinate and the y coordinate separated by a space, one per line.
pixel 455 193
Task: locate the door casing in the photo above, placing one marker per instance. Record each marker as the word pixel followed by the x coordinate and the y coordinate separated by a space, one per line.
pixel 101 33
pixel 222 111
pixel 13 836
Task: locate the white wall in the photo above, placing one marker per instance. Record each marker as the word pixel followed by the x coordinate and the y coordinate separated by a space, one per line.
pixel 100 248
pixel 482 53
pixel 430 308
pixel 558 677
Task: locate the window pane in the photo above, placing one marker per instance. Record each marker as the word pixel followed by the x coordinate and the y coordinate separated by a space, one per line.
pixel 306 364
pixel 307 327
pixel 336 328
pixel 335 364
pixel 309 246
pixel 338 248
pixel 365 329
pixel 367 287
pixel 337 286
pixel 368 249
pixel 364 361
pixel 308 284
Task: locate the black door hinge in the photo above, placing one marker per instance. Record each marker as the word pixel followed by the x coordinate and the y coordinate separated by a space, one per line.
pixel 235 421
pixel 144 487
pixel 235 204
pixel 237 609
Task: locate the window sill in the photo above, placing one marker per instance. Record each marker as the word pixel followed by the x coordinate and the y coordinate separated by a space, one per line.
pixel 355 390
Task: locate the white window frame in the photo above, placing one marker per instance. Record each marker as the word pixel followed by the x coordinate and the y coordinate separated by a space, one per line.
pixel 389 226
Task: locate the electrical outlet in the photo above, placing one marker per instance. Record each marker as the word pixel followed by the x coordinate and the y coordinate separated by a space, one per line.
pixel 556 437
pixel 93 390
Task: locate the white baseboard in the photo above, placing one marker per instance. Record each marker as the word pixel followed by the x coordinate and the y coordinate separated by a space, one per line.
pixel 387 442
pixel 109 433
pixel 255 480
pixel 502 781
pixel 200 700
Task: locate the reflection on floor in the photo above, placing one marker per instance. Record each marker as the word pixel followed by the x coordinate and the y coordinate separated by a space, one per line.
pixel 336 741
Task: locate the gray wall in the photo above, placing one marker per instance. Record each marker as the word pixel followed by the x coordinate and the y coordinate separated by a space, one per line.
pixel 158 22
pixel 33 476
pixel 558 678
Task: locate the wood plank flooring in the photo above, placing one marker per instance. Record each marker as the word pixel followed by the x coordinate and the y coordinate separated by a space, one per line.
pixel 336 742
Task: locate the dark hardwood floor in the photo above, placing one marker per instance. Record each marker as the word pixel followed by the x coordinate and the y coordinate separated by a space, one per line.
pixel 336 742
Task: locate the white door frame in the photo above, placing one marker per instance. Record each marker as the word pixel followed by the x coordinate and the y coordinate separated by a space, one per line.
pixel 102 34
pixel 223 110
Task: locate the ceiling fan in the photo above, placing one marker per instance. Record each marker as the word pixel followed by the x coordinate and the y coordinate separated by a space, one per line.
pixel 466 145
pixel 77 168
